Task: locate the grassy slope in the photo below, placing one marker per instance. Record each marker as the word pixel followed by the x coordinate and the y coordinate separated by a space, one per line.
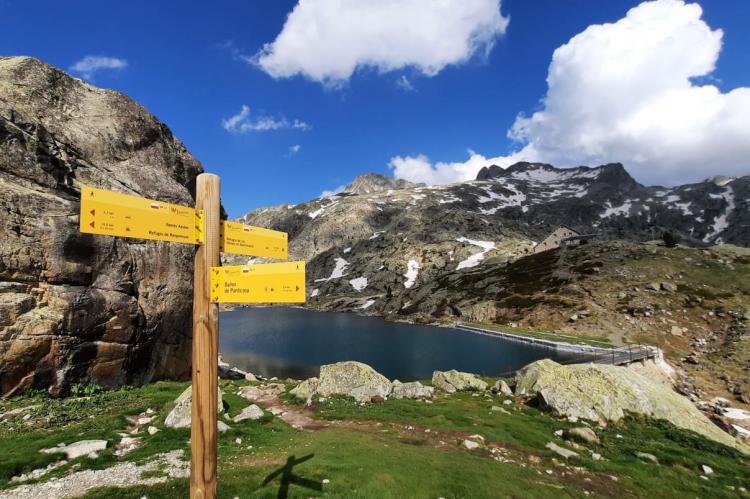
pixel 382 450
pixel 710 283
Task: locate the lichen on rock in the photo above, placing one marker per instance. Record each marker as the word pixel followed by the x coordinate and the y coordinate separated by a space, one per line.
pixel 605 393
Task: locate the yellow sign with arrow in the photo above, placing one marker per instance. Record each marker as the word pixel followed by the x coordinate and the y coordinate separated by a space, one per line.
pixel 115 214
pixel 256 241
pixel 260 283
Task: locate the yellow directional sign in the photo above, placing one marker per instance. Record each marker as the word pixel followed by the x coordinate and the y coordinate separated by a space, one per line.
pixel 115 214
pixel 255 241
pixel 260 283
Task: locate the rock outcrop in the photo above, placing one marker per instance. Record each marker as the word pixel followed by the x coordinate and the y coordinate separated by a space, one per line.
pixel 605 393
pixel 350 378
pixel 77 308
pixel 354 379
pixel 411 390
pixel 456 381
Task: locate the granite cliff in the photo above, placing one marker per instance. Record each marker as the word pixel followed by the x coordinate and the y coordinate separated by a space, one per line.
pixel 76 308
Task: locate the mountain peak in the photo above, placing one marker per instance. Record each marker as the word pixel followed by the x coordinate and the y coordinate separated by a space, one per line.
pixel 375 182
pixel 611 173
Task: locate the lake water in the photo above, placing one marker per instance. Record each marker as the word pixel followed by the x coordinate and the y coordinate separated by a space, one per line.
pixel 294 343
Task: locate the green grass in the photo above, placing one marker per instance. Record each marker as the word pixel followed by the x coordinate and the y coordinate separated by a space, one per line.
pixel 371 453
pixel 597 341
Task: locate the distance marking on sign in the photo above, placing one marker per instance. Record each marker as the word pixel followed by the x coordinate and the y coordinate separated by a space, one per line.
pixel 254 241
pixel 115 214
pixel 260 283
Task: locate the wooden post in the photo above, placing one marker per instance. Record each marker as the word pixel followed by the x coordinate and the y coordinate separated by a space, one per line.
pixel 205 344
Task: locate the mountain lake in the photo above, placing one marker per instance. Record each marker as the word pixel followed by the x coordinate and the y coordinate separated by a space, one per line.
pixel 294 343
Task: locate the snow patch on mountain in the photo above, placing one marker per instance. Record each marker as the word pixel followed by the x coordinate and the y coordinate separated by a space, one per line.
pixel 359 283
pixel 474 259
pixel 367 304
pixel 721 222
pixel 613 211
pixel 322 210
pixel 412 270
pixel 338 270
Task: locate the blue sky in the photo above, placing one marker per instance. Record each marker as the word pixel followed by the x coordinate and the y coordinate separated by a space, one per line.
pixel 188 63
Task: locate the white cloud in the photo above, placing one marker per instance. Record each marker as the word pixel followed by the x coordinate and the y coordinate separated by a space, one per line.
pixel 623 92
pixel 294 150
pixel 626 92
pixel 90 64
pixel 243 123
pixel 420 169
pixel 327 40
pixel 404 84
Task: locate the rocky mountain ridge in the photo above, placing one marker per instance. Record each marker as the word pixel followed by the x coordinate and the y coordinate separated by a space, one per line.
pixel 375 251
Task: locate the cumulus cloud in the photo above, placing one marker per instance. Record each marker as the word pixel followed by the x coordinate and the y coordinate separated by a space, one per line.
pixel 327 40
pixel 627 92
pixel 294 150
pixel 419 168
pixel 242 122
pixel 90 64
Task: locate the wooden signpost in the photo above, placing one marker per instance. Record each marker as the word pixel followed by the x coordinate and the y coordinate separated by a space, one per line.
pixel 114 214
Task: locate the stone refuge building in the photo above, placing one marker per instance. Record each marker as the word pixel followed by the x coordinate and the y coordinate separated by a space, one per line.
pixel 556 239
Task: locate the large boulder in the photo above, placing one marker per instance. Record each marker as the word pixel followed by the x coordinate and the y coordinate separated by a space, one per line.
pixel 605 393
pixel 181 415
pixel 453 381
pixel 411 390
pixel 79 308
pixel 352 378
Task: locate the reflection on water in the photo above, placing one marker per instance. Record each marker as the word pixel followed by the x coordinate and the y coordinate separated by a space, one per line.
pixel 294 343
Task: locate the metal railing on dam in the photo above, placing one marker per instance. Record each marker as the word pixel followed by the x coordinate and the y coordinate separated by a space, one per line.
pixel 588 353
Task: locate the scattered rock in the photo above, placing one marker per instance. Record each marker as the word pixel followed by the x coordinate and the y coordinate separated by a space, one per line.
pixel 252 412
pixel 153 430
pixel 654 286
pixel 78 449
pixel 707 470
pixel 38 473
pixel 583 433
pixel 647 457
pixel 453 381
pixel 180 416
pixel 668 286
pixel 561 451
pixel 470 444
pixel 159 469
pixel 126 445
pixel 411 390
pixel 222 426
pixel 596 456
pixel 675 331
pixel 306 389
pixel 502 388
